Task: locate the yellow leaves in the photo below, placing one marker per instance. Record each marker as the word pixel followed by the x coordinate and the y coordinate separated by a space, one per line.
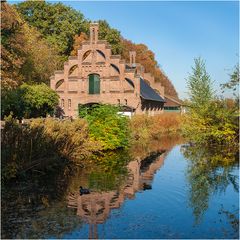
pixel 144 128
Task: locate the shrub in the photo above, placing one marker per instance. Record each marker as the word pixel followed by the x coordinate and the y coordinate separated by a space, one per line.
pixel 106 126
pixel 211 124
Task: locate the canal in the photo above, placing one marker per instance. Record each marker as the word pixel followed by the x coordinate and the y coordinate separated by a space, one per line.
pixel 165 191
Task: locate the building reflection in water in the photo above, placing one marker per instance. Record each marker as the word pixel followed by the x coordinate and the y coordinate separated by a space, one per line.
pixel 94 208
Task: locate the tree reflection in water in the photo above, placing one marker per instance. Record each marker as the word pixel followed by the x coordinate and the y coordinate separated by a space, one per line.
pixel 210 172
pixel 35 207
pixel 112 180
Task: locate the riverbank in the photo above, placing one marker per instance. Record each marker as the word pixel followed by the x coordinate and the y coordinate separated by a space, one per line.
pixel 40 143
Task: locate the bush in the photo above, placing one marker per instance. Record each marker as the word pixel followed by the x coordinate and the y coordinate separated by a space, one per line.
pixel 214 123
pixel 106 126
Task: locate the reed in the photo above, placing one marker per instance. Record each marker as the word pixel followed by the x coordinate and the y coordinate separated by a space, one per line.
pixel 145 128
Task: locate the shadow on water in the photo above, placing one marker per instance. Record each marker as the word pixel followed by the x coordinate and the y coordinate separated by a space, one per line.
pixel 210 172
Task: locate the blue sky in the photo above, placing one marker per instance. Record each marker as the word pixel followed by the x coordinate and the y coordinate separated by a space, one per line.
pixel 177 32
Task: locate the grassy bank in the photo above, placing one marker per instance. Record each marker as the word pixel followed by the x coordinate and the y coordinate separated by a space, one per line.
pixel 42 142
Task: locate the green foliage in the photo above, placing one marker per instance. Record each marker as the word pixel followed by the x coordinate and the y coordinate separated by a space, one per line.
pixel 56 22
pixel 209 172
pixel 233 84
pixel 39 100
pixel 234 80
pixel 199 85
pixel 106 126
pixel 111 35
pixel 208 121
pixel 212 124
pixel 29 101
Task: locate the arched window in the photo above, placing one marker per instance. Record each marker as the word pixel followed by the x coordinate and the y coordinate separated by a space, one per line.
pixel 86 54
pixel 130 82
pixel 115 67
pixel 94 84
pixel 59 83
pixel 72 69
pixel 101 53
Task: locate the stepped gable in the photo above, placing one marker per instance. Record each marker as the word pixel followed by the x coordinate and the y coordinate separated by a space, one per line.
pixel 97 76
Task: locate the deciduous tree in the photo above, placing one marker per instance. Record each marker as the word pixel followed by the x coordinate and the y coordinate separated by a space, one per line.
pixel 29 101
pixel 56 22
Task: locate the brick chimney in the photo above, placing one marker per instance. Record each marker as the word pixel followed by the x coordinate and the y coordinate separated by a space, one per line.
pixel 94 32
pixel 132 55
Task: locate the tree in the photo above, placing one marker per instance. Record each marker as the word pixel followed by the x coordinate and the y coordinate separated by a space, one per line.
pixel 200 85
pixel 78 39
pixel 147 58
pixel 39 100
pixel 208 121
pixel 112 36
pixel 234 80
pixel 29 101
pixel 26 56
pixel 233 84
pixel 12 54
pixel 56 22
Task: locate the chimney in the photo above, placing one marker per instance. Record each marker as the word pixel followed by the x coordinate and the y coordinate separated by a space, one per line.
pixel 94 32
pixel 132 55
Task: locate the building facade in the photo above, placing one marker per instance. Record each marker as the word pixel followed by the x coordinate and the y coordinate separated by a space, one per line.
pixel 96 76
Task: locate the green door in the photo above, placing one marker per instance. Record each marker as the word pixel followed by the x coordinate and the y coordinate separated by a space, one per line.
pixel 94 84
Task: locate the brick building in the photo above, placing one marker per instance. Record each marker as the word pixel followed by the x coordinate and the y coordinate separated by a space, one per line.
pixel 97 76
pixel 173 105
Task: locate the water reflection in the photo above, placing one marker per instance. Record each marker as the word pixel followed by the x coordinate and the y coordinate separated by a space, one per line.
pixel 159 209
pixel 95 207
pixel 210 172
pixel 34 207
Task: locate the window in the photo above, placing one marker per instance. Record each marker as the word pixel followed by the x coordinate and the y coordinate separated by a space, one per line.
pixel 94 84
pixel 118 102
pixel 62 103
pixel 69 104
pixel 125 101
pixel 59 83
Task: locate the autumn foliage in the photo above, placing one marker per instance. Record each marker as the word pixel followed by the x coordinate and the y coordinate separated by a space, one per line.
pixel 147 128
pixel 146 57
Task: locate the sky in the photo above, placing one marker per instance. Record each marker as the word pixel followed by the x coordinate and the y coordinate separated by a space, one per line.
pixel 177 32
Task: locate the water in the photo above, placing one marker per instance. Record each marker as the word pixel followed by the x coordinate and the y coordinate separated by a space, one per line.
pixel 166 196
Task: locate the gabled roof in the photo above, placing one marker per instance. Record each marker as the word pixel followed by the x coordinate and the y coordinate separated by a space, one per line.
pixel 147 93
pixel 172 102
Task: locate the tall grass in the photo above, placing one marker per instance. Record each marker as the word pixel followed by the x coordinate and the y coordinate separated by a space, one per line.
pixel 42 141
pixel 145 128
